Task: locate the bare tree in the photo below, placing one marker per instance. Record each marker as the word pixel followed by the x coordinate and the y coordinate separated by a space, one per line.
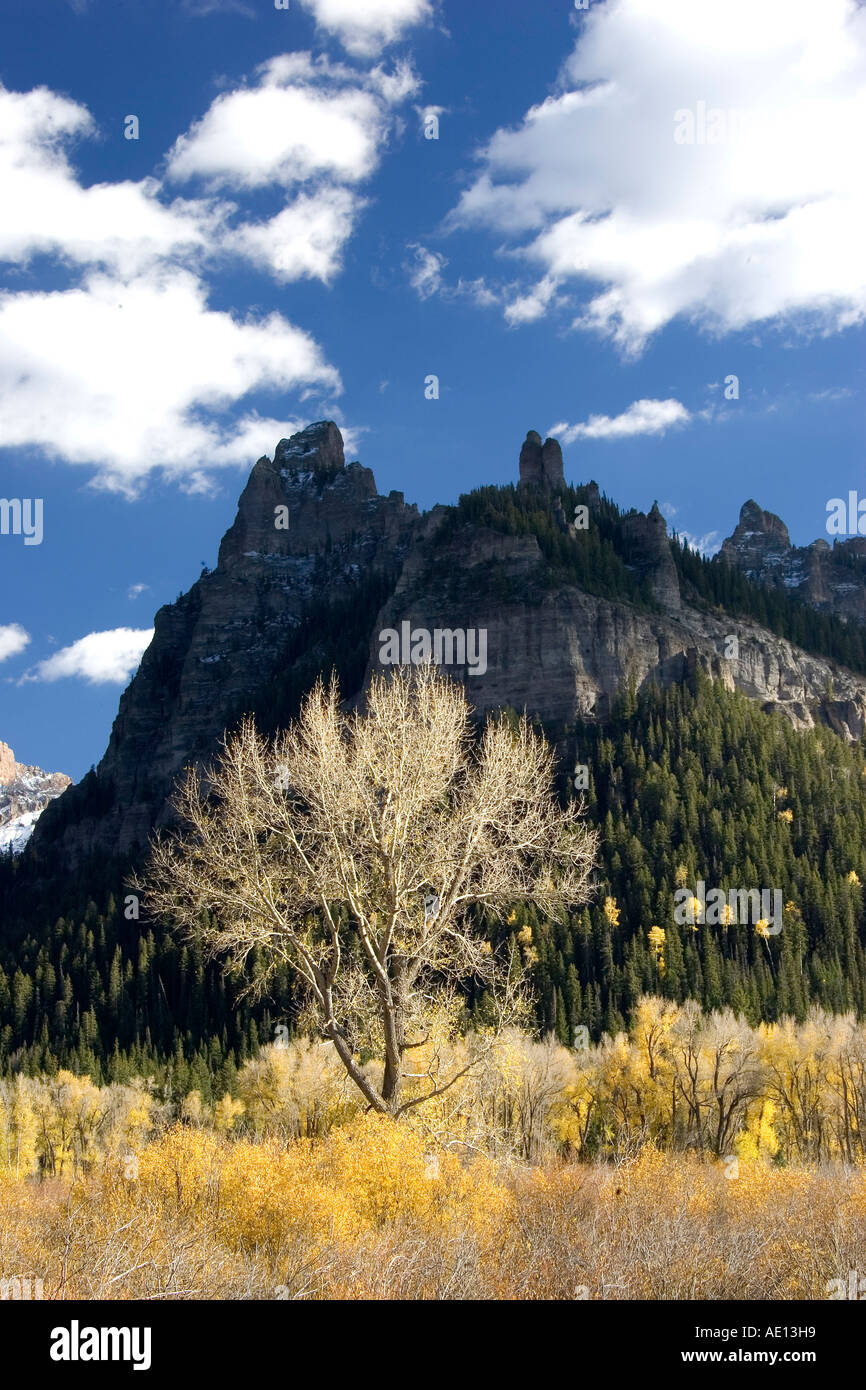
pixel 357 849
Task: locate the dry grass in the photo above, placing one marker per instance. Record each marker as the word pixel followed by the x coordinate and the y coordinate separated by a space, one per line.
pixel 368 1213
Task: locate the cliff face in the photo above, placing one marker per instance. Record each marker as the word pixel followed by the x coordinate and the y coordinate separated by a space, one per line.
pixel 25 791
pixel 232 636
pixel 829 579
pixel 563 653
pixel 648 552
pixel 313 537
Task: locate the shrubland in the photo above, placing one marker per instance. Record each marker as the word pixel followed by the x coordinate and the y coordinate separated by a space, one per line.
pixel 694 1157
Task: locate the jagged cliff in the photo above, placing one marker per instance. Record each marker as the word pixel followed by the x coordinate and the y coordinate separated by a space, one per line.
pixel 317 564
pixel 829 579
pixel 25 791
pixel 563 653
pixel 310 533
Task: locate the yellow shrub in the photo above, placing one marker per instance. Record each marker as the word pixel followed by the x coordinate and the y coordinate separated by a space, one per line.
pixel 370 1174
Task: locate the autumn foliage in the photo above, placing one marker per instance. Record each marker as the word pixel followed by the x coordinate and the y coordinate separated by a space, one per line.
pixel 368 1212
pixel 695 1158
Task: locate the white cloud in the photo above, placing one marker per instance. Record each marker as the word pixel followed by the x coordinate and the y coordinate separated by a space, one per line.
pixel 526 308
pixel 303 120
pixel 308 125
pixel 365 27
pixel 425 271
pixel 100 658
pixel 13 639
pixel 135 590
pixel 706 545
pixel 641 417
pixel 126 367
pixel 766 224
pixel 90 374
pixel 306 239
pixel 47 211
pixel 396 86
pixel 96 376
pixel 479 290
pixel 831 393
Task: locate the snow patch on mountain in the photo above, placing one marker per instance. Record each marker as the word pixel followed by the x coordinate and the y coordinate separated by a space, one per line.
pixel 25 791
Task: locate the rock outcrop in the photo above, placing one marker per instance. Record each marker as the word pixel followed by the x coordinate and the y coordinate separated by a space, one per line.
pixel 540 465
pixel 25 791
pixel 563 654
pixel 760 542
pixel 831 579
pixel 235 635
pixel 648 552
pixel 317 556
pixel 307 499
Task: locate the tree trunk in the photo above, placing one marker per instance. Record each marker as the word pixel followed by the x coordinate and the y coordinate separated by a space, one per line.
pixel 393 1005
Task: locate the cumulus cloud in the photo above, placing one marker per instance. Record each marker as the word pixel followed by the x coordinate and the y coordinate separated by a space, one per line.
pixel 306 239
pixel 641 417
pixel 89 372
pixel 395 86
pixel 100 658
pixel 135 590
pixel 46 210
pixel 425 271
pixel 302 120
pixel 364 29
pixel 95 375
pixel 760 218
pixel 13 639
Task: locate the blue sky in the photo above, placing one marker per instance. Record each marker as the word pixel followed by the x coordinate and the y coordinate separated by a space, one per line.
pixel 624 207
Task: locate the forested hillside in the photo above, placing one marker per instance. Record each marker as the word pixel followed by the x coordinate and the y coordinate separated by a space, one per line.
pixel 597 558
pixel 687 784
pixel 696 783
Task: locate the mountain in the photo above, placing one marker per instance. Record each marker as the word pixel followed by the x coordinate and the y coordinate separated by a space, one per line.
pixel 25 791
pixel 828 579
pixel 318 565
pixel 718 723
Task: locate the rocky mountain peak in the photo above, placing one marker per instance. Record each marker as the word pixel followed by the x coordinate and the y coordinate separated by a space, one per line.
pixel 831 579
pixel 758 536
pixel 541 464
pixel 318 449
pixel 317 565
pixel 649 553
pixel 8 764
pixel 25 791
pixel 305 499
